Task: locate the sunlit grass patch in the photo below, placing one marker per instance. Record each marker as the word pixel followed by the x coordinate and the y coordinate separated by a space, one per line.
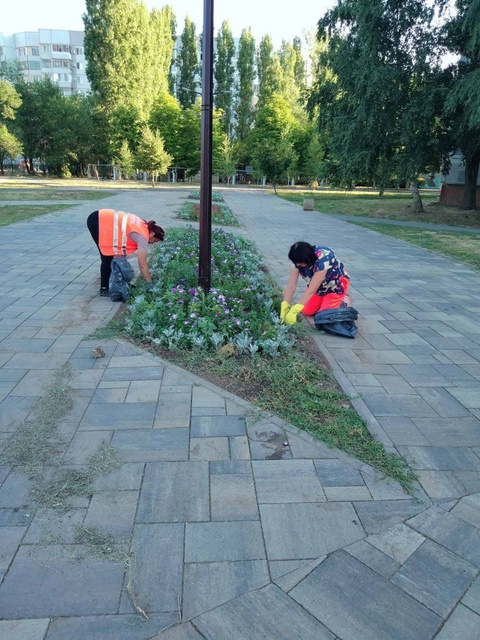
pixel 10 213
pixel 457 245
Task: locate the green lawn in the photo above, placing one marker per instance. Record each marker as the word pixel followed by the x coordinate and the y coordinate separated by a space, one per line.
pixel 14 213
pixel 391 206
pixel 9 194
pixel 458 245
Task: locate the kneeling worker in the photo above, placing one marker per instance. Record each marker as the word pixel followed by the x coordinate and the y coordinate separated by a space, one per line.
pixel 327 277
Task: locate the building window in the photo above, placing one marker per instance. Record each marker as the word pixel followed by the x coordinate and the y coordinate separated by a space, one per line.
pixel 46 48
pixel 79 51
pixel 61 48
pixel 34 65
pixel 21 52
pixel 35 51
pixel 66 77
pixel 60 62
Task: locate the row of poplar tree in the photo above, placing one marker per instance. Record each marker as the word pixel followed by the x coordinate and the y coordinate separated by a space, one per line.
pixel 382 106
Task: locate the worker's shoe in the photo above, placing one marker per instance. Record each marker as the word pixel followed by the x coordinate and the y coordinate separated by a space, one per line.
pixel 103 292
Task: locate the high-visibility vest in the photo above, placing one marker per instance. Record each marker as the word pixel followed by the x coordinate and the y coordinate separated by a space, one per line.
pixel 114 228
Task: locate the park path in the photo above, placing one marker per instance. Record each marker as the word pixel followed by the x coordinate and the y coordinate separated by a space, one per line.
pixel 230 534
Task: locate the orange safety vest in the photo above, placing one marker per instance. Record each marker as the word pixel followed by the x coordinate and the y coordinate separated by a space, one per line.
pixel 114 229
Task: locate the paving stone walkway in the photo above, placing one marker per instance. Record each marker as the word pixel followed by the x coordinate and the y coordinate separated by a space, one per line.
pixel 229 524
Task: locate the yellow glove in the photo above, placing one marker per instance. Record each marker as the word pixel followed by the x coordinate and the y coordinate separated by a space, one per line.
pixel 284 309
pixel 291 316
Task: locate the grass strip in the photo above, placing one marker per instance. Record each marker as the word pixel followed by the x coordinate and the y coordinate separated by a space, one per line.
pixel 391 206
pixel 302 391
pixel 457 245
pixel 10 213
pixel 8 194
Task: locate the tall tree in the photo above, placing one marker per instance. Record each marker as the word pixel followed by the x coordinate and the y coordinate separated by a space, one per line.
pixel 379 55
pixel 244 111
pixel 224 74
pixel 188 65
pixel 462 36
pixel 299 68
pixel 268 70
pixel 116 33
pixel 162 29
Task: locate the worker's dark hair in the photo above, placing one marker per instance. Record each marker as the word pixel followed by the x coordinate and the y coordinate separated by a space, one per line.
pixel 158 231
pixel 302 252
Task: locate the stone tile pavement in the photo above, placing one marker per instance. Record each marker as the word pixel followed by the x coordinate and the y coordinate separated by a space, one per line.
pixel 229 523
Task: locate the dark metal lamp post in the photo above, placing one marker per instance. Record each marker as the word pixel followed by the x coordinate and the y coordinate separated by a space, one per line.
pixel 205 231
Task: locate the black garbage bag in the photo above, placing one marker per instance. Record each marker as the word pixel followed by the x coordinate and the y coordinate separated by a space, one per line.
pixel 122 273
pixel 340 322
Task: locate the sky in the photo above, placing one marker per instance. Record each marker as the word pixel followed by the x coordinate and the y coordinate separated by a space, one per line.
pixel 281 20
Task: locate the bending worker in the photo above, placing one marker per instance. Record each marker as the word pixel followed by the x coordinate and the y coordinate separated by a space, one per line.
pixel 327 277
pixel 118 233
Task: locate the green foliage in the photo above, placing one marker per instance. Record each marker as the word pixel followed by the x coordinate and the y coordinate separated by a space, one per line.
pixel 151 156
pixel 10 100
pixel 189 140
pixel 11 71
pixel 462 107
pixel 42 121
pixel 224 73
pixel 375 93
pixel 166 118
pixel 222 157
pixel 10 146
pixel 188 65
pixel 127 160
pixel 268 71
pixel 244 112
pixel 271 143
pixel 238 309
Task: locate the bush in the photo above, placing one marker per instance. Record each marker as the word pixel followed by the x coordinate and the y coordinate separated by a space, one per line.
pixel 239 310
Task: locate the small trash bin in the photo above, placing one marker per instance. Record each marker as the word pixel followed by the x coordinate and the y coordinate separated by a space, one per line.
pixel 308 204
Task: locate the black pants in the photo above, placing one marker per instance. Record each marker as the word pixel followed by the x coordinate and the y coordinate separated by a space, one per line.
pixel 105 266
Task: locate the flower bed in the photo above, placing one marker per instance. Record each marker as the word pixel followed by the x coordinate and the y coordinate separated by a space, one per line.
pixel 216 195
pixel 221 214
pixel 239 311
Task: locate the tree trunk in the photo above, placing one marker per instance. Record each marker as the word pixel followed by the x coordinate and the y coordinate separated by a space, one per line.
pixel 470 190
pixel 417 200
pixel 381 191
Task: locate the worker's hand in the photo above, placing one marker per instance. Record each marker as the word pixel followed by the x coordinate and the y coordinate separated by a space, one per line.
pixel 284 309
pixel 291 316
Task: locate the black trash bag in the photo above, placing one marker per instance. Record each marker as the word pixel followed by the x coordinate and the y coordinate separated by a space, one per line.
pixel 122 273
pixel 340 322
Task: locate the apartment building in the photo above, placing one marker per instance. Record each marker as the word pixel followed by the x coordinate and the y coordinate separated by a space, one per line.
pixel 47 52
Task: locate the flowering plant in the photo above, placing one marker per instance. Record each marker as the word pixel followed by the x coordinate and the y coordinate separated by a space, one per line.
pixel 238 310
